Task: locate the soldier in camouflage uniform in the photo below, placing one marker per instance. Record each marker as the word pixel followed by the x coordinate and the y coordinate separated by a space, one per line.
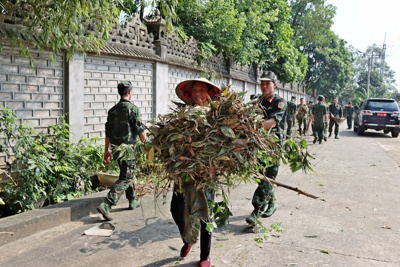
pixel 291 111
pixel 274 108
pixel 319 119
pixel 349 115
pixel 123 126
pixel 302 112
pixel 335 111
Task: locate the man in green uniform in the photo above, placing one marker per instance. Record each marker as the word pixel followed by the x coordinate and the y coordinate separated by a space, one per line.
pixel 302 112
pixel 349 115
pixel 274 108
pixel 335 111
pixel 123 126
pixel 291 111
pixel 319 119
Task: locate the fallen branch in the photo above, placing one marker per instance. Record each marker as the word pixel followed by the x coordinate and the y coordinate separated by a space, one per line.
pixel 262 177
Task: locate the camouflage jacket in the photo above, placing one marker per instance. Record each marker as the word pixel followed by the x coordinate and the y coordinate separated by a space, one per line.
pixel 124 123
pixel 302 111
pixel 319 111
pixel 275 107
pixel 290 110
pixel 336 111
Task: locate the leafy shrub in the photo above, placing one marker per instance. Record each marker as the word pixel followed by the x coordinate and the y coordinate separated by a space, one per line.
pixel 48 167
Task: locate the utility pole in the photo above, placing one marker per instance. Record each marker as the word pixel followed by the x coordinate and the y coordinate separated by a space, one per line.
pixel 369 72
pixel 370 64
pixel 383 55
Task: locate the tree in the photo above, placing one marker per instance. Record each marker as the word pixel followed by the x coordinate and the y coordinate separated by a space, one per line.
pixel 77 25
pixel 249 31
pixel 330 68
pixel 382 82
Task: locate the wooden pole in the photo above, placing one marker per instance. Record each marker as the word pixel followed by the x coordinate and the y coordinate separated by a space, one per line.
pixel 262 177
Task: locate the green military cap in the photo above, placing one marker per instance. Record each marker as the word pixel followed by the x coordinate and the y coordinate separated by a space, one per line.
pixel 310 102
pixel 268 76
pixel 349 102
pixel 124 87
pixel 335 99
pixel 321 98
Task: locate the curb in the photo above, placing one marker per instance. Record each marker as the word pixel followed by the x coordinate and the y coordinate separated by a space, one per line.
pixel 22 225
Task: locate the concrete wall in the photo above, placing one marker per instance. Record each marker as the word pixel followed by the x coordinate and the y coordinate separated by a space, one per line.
pixel 35 94
pixel 102 76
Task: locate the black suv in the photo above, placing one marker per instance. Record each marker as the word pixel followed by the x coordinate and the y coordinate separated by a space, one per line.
pixel 378 114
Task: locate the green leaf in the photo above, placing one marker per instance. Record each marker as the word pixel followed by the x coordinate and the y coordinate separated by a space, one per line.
pixel 2 201
pixel 227 131
pixel 325 251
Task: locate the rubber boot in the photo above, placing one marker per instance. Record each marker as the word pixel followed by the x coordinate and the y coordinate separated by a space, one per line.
pixel 272 207
pixel 105 209
pixel 133 204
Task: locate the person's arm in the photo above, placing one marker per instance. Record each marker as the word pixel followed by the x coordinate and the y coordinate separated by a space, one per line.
pixel 269 123
pixel 143 137
pixel 312 118
pixel 107 154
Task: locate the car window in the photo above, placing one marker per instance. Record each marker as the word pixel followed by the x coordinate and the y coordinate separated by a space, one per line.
pixel 381 105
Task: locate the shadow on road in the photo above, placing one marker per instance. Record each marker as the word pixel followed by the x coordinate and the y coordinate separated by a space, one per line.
pixel 369 133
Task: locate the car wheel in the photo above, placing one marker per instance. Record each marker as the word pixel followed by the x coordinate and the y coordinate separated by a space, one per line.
pixel 360 130
pixel 395 133
pixel 354 127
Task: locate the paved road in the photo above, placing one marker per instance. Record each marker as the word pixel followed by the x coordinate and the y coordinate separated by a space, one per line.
pixel 358 224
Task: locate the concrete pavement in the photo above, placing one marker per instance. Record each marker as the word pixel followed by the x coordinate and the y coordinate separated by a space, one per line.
pixel 358 224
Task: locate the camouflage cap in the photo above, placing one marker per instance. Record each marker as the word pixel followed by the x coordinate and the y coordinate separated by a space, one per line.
pixel 124 87
pixel 321 98
pixel 268 76
pixel 335 99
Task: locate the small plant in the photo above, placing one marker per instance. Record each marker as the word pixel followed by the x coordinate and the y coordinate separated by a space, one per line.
pixel 49 169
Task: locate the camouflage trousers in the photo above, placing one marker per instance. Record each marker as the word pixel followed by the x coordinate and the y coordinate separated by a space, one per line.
pixel 302 122
pixel 264 193
pixel 125 183
pixel 350 121
pixel 289 123
pixel 319 129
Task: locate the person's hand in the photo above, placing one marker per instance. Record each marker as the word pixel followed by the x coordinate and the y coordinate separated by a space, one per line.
pixel 107 156
pixel 312 122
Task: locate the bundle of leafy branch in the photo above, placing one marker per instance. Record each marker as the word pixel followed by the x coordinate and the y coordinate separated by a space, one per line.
pixel 214 145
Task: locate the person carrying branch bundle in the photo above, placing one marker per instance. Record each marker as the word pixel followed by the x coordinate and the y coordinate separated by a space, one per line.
pixel 194 92
pixel 274 108
pixel 123 126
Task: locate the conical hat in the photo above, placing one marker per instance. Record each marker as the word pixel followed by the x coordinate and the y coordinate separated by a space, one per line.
pixel 184 90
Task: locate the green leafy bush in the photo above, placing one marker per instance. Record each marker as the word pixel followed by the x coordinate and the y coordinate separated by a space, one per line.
pixel 48 167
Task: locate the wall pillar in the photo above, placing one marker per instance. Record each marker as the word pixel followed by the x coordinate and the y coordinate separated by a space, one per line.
pixel 74 96
pixel 160 99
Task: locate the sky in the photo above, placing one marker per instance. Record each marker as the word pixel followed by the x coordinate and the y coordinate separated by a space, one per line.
pixel 363 23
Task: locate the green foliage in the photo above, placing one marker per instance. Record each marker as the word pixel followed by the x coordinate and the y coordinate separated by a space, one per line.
pixel 330 68
pixel 329 61
pixel 79 25
pixel 215 22
pixel 247 31
pixel 49 168
pixel 382 82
